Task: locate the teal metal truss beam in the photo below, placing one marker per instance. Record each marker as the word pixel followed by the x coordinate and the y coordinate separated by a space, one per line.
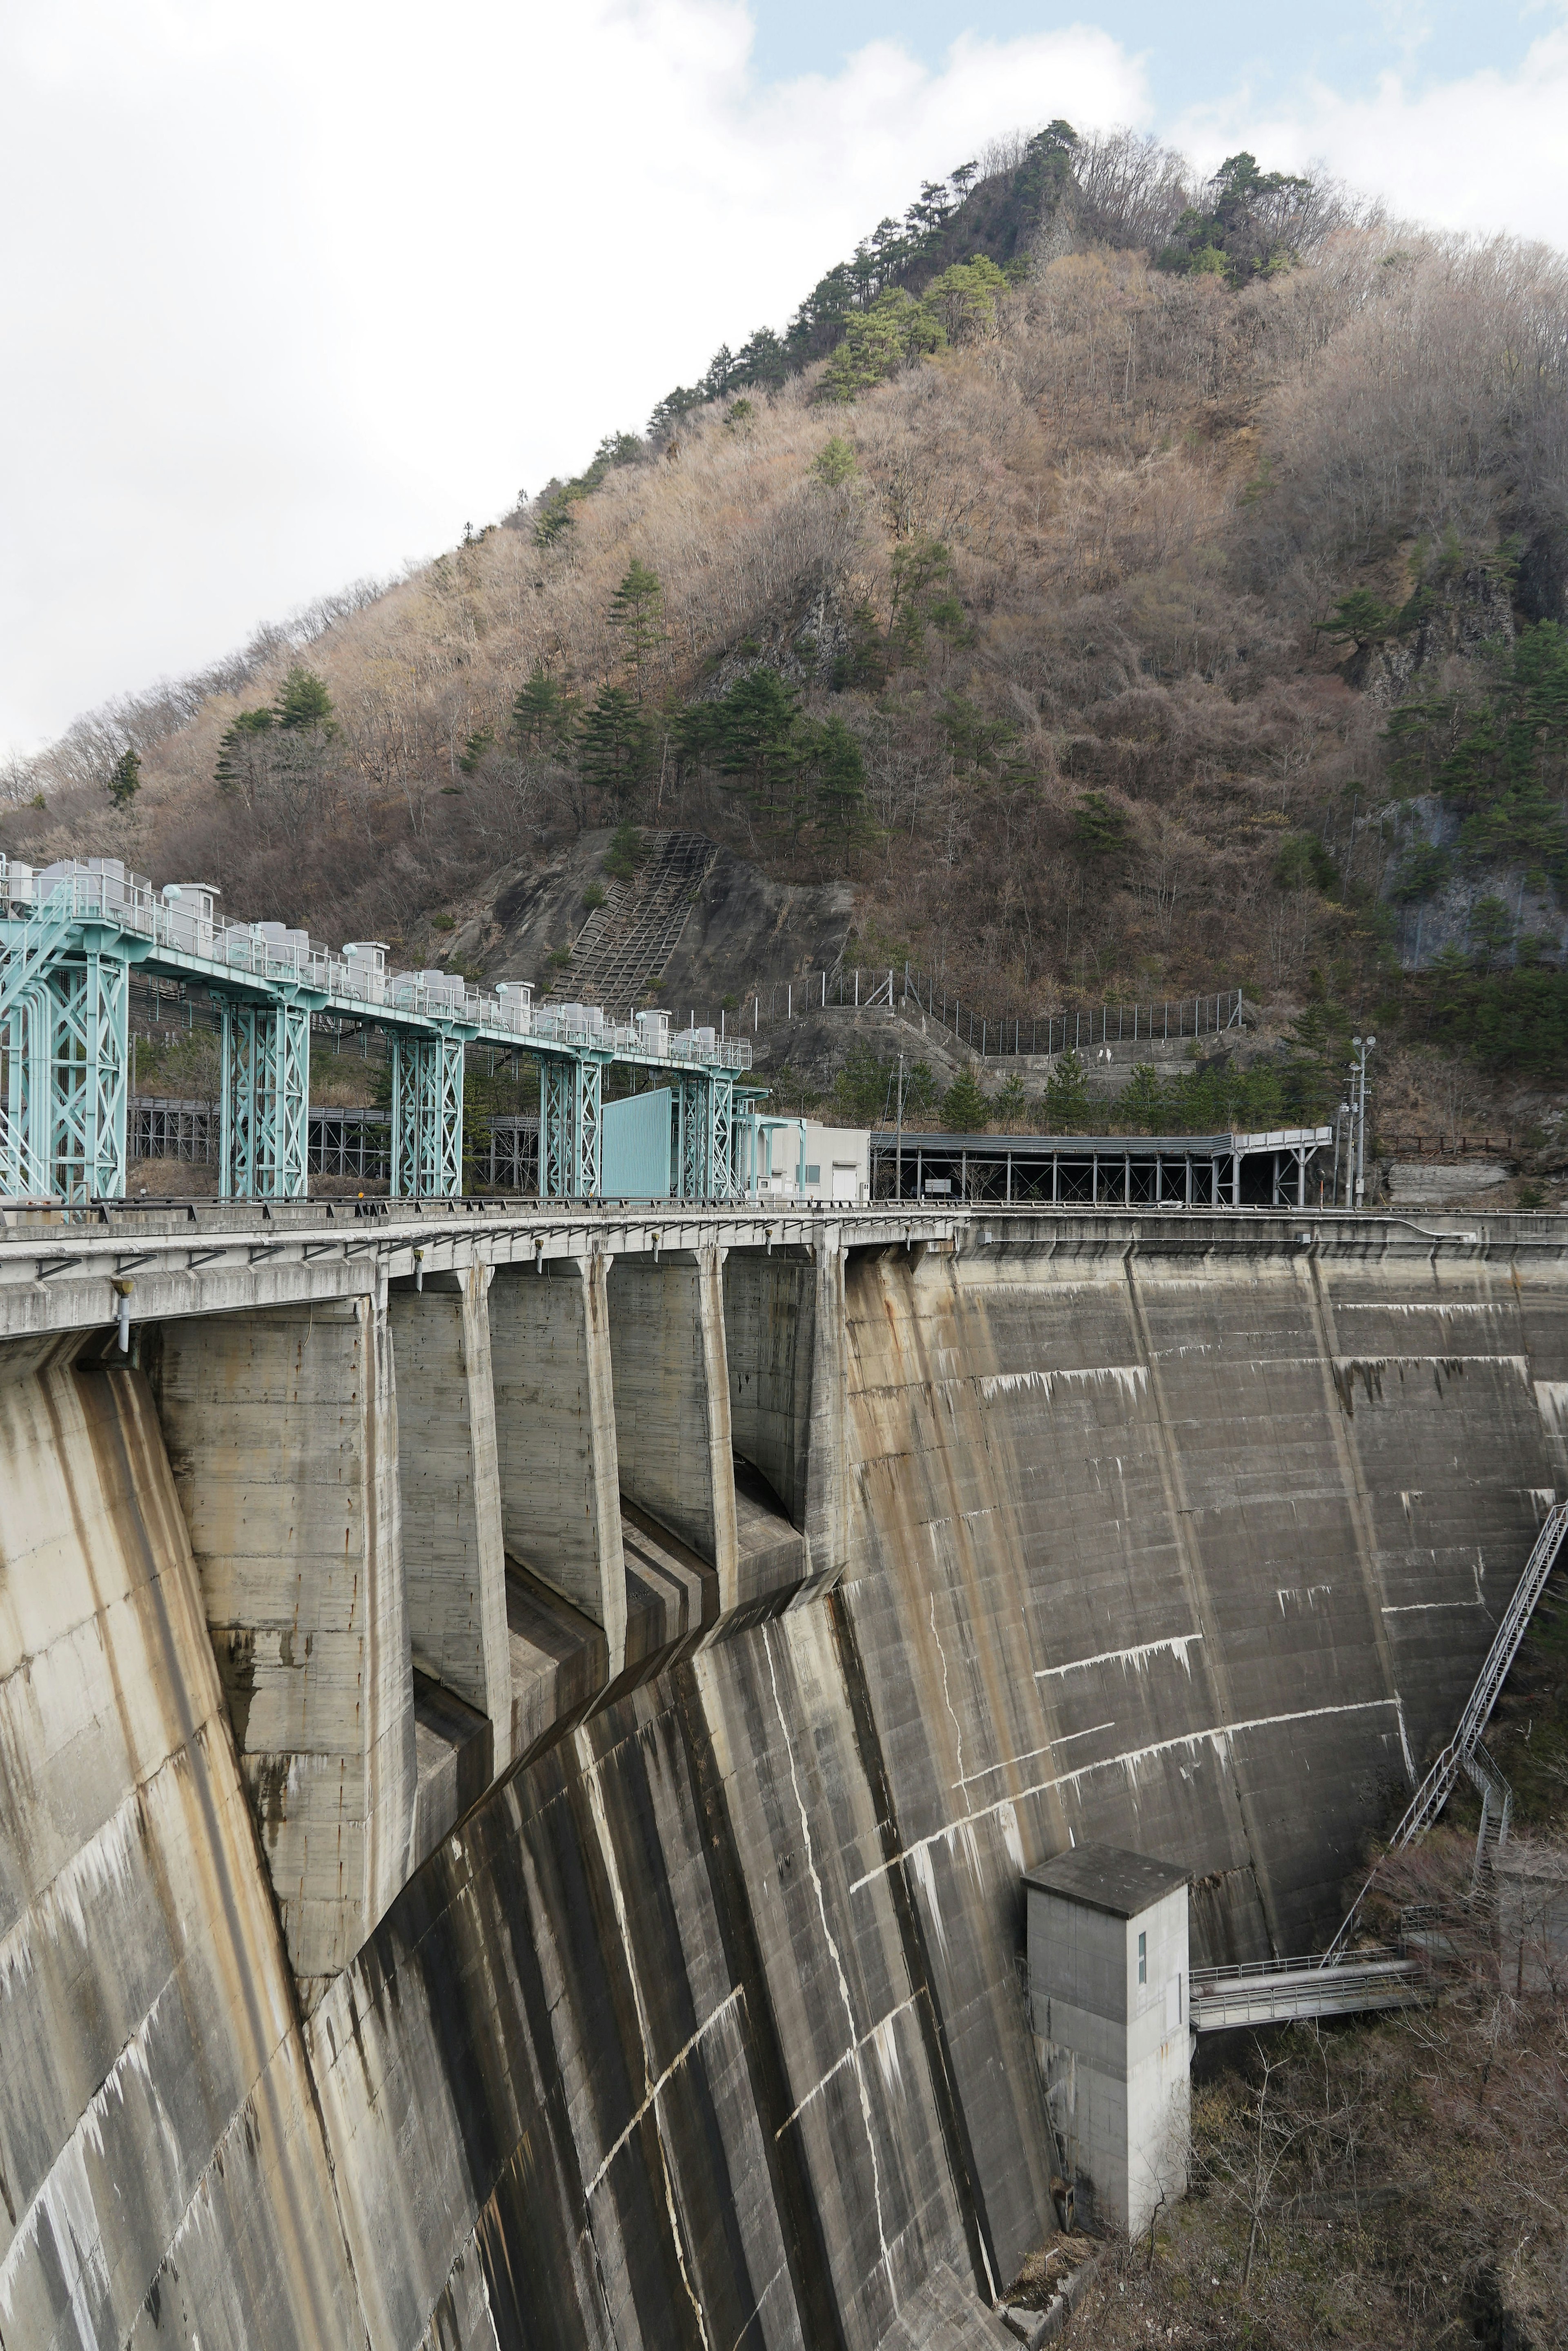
pixel 65 1049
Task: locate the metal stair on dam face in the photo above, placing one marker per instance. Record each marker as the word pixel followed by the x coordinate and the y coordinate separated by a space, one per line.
pixel 624 945
pixel 1464 1752
pixel 1342 1983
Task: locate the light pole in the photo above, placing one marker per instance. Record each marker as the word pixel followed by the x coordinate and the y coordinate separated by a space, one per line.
pixel 1340 1115
pixel 899 1178
pixel 1363 1046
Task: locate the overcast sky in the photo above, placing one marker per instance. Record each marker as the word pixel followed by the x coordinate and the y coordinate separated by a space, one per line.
pixel 292 293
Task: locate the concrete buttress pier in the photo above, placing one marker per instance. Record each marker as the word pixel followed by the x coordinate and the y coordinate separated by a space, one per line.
pixel 282 1429
pixel 784 1331
pixel 672 1402
pixel 449 1483
pixel 556 1436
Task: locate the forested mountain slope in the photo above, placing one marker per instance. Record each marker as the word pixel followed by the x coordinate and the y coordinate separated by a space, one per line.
pixel 1131 588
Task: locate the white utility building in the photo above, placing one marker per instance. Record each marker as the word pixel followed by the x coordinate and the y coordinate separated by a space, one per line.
pixel 1108 1990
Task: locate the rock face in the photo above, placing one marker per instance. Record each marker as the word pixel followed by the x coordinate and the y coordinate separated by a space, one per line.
pixel 706 2024
pixel 1432 1182
pixel 742 929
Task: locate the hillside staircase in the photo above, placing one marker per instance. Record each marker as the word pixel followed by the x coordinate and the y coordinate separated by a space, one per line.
pixel 623 946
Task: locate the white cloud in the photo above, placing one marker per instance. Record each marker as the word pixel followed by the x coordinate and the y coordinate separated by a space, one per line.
pixel 1482 152
pixel 293 293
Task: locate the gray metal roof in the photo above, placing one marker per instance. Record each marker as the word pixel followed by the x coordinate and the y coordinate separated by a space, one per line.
pixel 1106 1877
pixel 1111 1146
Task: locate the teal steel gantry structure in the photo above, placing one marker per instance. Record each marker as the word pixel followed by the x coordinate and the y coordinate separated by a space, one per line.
pixel 70 936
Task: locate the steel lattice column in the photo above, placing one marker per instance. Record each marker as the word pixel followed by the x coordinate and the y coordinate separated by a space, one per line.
pixel 85 1041
pixel 26 1165
pixel 571 1094
pixel 694 1140
pixel 447 1151
pixel 722 1149
pixel 427 1116
pixel 265 1102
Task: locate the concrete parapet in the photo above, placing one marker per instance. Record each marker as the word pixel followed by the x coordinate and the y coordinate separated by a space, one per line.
pixel 454 1567
pixel 672 1402
pixel 556 1438
pixel 283 1431
pixel 783 1320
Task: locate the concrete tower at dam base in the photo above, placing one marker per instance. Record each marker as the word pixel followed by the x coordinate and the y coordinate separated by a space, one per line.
pixel 523 1733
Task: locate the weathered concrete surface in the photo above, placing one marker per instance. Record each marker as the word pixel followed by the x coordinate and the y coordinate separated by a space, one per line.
pixel 654 2034
pixel 556 1438
pixel 161 2168
pixel 672 1402
pixel 283 1431
pixel 784 1333
pixel 707 2024
pixel 454 1566
pixel 1195 1549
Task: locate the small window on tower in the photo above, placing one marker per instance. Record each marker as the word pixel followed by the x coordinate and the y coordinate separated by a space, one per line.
pixel 813 1174
pixel 1143 1958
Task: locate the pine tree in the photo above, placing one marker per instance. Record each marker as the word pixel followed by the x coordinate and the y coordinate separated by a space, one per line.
pixel 305 703
pixel 617 752
pixel 125 778
pixel 543 715
pixel 1141 1104
pixel 637 613
pixel 1066 1099
pixel 1010 1101
pixel 243 758
pixel 834 462
pixel 965 1107
pixel 841 780
pixel 757 742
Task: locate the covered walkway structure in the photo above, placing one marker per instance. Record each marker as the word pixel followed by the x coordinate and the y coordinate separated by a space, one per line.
pixel 1271 1170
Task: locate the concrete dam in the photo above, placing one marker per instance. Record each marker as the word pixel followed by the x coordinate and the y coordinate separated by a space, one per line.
pixel 521 1731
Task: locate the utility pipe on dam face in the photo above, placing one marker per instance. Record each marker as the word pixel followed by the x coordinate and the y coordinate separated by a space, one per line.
pixel 322 2022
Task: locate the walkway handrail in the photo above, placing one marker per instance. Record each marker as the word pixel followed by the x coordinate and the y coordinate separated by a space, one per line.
pixel 1437 1786
pixel 131 901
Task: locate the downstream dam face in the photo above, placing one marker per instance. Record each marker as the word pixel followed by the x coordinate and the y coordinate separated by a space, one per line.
pixel 520 1734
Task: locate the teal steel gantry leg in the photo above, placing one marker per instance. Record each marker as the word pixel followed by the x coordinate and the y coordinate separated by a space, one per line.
pixel 705 1127
pixel 721 1098
pixel 427 1116
pixel 265 1102
pixel 571 1104
pixel 85 1037
pixel 26 1040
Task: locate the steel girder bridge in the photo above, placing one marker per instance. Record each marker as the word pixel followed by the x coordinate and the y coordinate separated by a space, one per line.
pixel 70 936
